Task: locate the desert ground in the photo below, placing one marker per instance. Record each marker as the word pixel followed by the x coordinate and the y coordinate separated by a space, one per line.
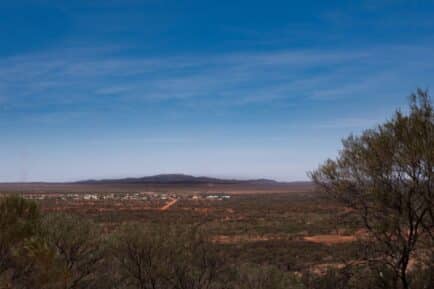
pixel 291 226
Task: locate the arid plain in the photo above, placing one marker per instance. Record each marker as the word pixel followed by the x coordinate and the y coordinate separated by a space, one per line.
pixel 289 225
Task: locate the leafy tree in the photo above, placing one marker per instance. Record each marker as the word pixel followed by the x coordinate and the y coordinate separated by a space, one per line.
pixel 160 257
pixel 386 175
pixel 26 261
pixel 35 266
pixel 78 249
pixel 140 255
pixel 194 262
pixel 19 221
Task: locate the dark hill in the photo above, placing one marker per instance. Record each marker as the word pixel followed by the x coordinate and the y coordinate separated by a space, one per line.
pixel 178 179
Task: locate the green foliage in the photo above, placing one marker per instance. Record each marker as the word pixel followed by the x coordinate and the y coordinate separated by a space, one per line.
pixel 164 257
pixel 140 256
pixel 78 248
pixel 387 176
pixel 19 221
pixel 54 251
pixel 35 266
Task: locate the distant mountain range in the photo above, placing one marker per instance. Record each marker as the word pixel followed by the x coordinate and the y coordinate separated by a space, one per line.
pixel 179 179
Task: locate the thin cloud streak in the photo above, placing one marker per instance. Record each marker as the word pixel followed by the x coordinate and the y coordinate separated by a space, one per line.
pixel 347 123
pixel 84 76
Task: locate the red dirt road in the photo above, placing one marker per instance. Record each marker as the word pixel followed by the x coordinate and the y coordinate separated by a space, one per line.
pixel 168 205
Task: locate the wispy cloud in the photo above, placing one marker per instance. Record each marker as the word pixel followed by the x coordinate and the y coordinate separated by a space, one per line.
pixel 347 123
pixel 109 76
pixel 142 141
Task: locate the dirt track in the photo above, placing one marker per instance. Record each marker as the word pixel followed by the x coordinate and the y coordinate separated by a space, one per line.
pixel 168 205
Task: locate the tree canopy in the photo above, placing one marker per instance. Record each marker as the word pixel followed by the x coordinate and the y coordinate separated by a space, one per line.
pixel 386 175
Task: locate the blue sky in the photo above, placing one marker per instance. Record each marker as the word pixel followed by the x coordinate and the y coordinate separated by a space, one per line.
pixel 221 88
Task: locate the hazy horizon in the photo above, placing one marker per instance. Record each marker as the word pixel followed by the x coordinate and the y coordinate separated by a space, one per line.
pixel 228 178
pixel 113 89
